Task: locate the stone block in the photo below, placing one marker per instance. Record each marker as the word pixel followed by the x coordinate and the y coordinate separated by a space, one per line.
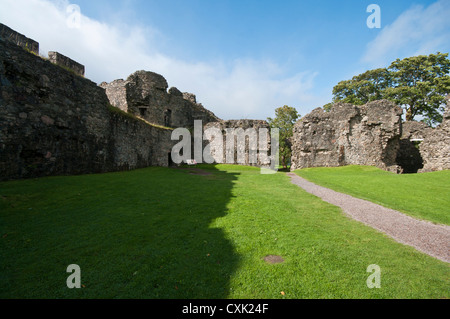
pixel 8 34
pixel 62 60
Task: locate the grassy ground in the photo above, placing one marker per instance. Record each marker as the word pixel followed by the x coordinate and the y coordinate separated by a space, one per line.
pixel 165 233
pixel 424 196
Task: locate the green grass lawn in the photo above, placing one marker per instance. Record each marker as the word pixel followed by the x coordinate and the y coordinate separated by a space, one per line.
pixel 165 233
pixel 423 196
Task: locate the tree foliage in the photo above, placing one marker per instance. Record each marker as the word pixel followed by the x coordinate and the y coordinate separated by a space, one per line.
pixel 419 84
pixel 285 118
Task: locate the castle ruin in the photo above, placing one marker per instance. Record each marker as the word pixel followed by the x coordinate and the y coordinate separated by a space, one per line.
pixel 435 148
pixel 53 121
pixel 348 135
pixel 371 134
pixel 144 94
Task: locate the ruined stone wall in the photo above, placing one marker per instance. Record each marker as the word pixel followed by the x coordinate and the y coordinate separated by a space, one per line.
pixel 137 144
pixel 8 34
pixel 348 135
pixel 117 94
pixel 62 60
pixel 435 148
pixel 238 146
pixel 144 94
pixel 53 122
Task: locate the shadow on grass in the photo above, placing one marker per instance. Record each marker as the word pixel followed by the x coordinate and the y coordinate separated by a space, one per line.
pixel 138 234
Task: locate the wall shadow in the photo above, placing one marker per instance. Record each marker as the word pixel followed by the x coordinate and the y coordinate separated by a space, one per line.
pixel 142 234
pixel 195 260
pixel 168 250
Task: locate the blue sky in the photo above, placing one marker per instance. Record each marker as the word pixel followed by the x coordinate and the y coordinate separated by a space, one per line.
pixel 242 58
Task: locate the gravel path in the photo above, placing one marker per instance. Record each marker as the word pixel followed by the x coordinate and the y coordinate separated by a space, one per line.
pixel 425 236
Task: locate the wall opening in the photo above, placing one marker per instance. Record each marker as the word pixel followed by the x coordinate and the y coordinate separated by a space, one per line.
pixel 167 118
pixel 170 161
pixel 142 111
pixel 408 156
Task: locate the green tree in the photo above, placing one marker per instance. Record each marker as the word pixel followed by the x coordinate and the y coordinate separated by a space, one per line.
pixel 285 118
pixel 363 88
pixel 419 84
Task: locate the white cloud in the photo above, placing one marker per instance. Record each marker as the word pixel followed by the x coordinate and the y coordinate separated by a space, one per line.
pixel 236 89
pixel 417 31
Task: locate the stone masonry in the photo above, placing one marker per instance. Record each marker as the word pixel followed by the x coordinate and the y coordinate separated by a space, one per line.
pixel 229 132
pixel 8 34
pixel 435 148
pixel 62 60
pixel 349 135
pixel 144 94
pixel 53 122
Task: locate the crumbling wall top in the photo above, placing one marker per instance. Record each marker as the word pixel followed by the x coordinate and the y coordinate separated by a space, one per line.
pixel 10 35
pixel 61 60
pixel 146 80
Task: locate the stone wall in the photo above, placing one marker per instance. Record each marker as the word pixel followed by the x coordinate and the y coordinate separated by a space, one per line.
pixel 117 94
pixel 230 153
pixel 136 144
pixel 8 34
pixel 62 60
pixel 53 122
pixel 144 94
pixel 348 135
pixel 435 148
